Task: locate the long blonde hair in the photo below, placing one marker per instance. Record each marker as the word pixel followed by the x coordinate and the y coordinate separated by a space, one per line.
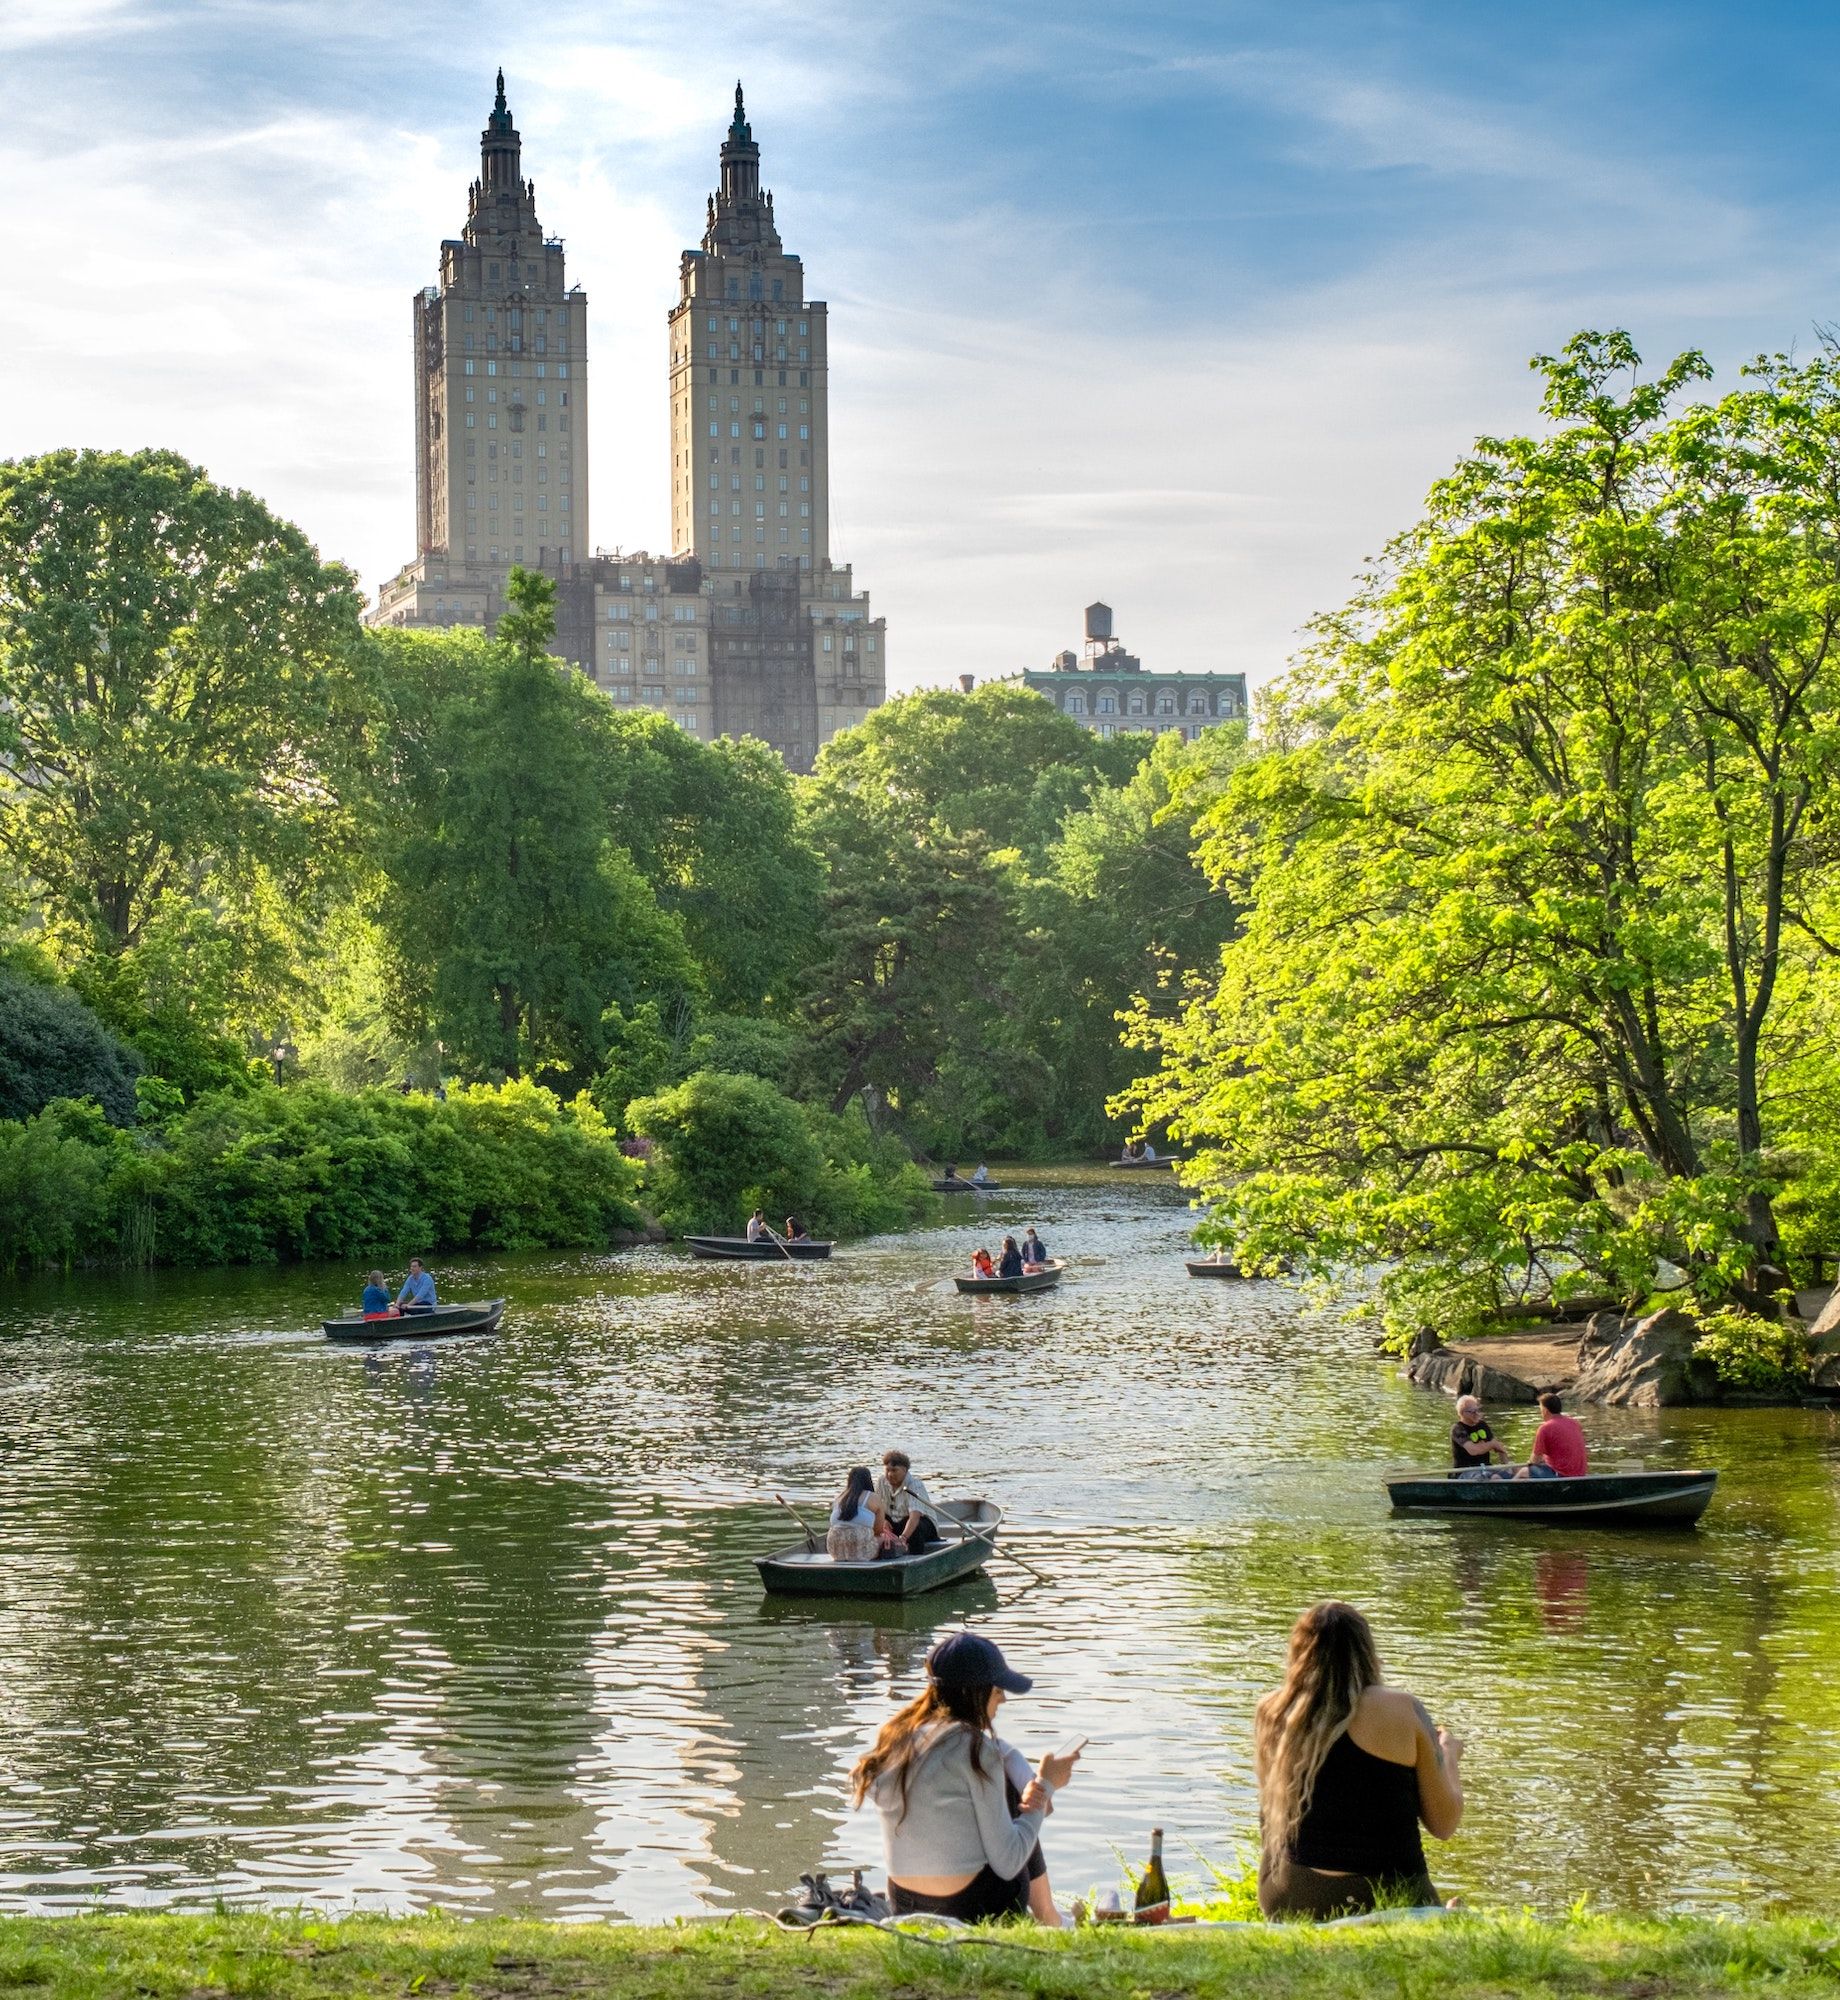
pixel 897 1745
pixel 1333 1661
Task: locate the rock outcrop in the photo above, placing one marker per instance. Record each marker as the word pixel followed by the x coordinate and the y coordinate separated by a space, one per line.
pixel 1826 1321
pixel 1644 1364
pixel 1432 1365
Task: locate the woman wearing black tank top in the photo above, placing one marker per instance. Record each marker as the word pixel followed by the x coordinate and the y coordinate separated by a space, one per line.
pixel 1348 1770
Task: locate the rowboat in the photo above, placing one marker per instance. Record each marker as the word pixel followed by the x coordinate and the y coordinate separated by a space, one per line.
pixel 481 1316
pixel 1030 1281
pixel 813 1572
pixel 767 1249
pixel 1597 1499
pixel 957 1184
pixel 1208 1267
pixel 1127 1166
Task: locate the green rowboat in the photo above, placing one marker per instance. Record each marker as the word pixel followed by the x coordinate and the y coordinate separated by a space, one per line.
pixel 481 1316
pixel 1043 1280
pixel 810 1571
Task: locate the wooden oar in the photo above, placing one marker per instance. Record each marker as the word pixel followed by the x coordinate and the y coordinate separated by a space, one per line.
pixel 811 1540
pixel 783 1251
pixel 995 1548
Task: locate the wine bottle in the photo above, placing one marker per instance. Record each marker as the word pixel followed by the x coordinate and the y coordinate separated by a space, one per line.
pixel 1153 1885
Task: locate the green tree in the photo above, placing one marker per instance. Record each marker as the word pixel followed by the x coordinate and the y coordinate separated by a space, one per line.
pixel 1533 903
pixel 515 916
pixel 52 1046
pixel 929 816
pixel 714 829
pixel 999 764
pixel 182 701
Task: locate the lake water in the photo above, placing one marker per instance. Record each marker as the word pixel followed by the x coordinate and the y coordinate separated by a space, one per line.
pixel 478 1625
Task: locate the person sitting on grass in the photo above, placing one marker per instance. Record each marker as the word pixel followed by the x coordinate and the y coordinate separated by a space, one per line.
pixel 1348 1769
pixel 960 1836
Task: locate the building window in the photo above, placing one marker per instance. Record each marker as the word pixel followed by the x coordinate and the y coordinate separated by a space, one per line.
pixel 1107 705
pixel 1166 703
pixel 1076 704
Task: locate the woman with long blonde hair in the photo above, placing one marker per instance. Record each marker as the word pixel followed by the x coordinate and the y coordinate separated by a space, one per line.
pixel 1348 1770
pixel 961 1811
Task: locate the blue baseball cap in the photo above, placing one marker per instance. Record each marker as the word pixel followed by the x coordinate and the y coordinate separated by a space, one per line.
pixel 970 1661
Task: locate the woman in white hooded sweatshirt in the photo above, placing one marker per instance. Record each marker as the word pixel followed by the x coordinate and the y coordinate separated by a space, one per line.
pixel 961 1812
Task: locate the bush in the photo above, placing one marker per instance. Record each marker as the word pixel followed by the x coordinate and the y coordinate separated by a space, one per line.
pixel 1748 1351
pixel 263 1175
pixel 52 1046
pixel 729 1144
pixel 54 1187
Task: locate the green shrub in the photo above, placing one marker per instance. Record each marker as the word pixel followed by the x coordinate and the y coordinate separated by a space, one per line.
pixel 1748 1351
pixel 53 1046
pixel 55 1186
pixel 263 1175
pixel 728 1144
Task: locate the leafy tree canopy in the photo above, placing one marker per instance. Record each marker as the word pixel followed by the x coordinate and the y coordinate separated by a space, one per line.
pixel 183 700
pixel 1540 905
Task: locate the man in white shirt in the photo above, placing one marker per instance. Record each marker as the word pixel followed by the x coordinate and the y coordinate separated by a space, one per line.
pixel 757 1225
pixel 906 1506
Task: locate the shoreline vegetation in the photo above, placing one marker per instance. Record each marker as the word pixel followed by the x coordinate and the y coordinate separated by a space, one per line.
pixel 267 869
pixel 306 1957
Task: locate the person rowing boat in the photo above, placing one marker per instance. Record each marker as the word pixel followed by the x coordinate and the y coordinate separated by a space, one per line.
pixel 909 1523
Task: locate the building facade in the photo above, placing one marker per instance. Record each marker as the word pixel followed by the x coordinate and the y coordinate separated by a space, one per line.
pixel 1110 691
pixel 747 627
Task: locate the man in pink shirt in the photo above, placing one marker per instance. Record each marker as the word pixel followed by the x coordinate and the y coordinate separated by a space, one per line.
pixel 1558 1445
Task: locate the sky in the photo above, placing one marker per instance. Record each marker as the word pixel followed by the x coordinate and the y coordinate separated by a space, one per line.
pixel 1180 306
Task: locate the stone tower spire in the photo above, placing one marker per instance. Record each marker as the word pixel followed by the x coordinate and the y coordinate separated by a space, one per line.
pixel 740 215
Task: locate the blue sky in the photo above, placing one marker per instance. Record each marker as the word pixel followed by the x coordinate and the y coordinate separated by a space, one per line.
pixel 1182 306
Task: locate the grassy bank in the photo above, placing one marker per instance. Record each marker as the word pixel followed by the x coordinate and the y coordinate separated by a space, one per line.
pixel 326 1960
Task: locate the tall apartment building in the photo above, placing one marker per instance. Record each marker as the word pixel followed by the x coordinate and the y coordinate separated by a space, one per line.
pixel 766 635
pixel 750 431
pixel 501 403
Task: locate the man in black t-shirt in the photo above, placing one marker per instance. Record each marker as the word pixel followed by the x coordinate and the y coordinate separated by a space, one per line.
pixel 1472 1443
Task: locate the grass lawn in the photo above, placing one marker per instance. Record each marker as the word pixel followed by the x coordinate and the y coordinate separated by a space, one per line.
pixel 440 1956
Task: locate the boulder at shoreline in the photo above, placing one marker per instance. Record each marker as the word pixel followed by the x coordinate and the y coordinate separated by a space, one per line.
pixel 1635 1364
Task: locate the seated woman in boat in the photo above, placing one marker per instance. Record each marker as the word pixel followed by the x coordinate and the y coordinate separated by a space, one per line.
pixel 961 1836
pixel 981 1174
pixel 796 1232
pixel 376 1301
pixel 1034 1250
pixel 1009 1265
pixel 1348 1769
pixel 856 1521
pixel 981 1266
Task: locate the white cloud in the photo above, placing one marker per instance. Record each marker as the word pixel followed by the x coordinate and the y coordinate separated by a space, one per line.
pixel 1017 427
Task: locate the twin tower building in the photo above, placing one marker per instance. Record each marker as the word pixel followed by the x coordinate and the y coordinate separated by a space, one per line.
pixel 747 628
